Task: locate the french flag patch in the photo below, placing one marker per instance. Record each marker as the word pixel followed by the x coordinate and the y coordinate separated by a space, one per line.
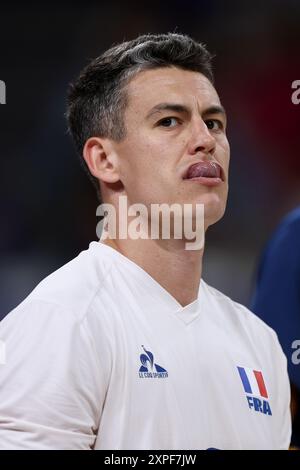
pixel 254 387
pixel 253 382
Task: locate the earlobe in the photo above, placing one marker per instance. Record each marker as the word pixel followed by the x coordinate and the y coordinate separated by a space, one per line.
pixel 101 159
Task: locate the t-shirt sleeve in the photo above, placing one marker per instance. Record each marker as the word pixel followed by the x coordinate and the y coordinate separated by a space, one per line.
pixel 53 382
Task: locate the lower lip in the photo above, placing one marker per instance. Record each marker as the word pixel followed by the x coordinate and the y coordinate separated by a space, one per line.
pixel 205 181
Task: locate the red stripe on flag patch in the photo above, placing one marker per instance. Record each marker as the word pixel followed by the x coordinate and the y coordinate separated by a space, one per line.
pixel 261 383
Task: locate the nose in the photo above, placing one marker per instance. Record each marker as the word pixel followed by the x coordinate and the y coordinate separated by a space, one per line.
pixel 201 139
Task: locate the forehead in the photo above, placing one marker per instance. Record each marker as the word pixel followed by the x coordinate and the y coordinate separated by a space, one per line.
pixel 150 87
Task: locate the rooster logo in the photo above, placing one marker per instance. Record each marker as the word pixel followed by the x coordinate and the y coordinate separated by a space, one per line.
pixel 148 364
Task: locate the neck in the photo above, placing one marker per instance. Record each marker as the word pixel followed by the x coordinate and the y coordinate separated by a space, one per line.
pixel 176 269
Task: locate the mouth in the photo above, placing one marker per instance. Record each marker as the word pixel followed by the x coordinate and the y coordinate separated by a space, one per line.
pixel 207 173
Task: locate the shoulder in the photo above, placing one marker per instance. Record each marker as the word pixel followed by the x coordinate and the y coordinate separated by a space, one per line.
pixel 287 232
pixel 69 291
pixel 292 219
pixel 239 318
pixel 56 321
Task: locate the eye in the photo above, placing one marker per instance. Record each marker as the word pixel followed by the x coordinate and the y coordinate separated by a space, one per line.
pixel 214 124
pixel 168 122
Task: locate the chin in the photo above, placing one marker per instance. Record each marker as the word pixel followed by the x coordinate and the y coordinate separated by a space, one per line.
pixel 214 209
pixel 214 205
pixel 211 217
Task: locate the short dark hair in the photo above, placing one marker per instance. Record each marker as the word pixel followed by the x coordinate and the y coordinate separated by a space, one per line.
pixel 97 99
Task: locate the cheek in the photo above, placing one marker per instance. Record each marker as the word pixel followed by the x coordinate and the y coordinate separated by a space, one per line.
pixel 143 171
pixel 148 165
pixel 224 153
pixel 149 159
pixel 226 145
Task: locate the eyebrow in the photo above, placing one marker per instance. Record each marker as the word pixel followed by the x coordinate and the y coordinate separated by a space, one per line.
pixel 180 108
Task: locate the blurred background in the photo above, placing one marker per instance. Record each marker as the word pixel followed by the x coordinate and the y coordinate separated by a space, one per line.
pixel 47 203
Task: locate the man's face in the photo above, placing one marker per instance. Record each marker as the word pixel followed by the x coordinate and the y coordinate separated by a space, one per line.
pixel 173 120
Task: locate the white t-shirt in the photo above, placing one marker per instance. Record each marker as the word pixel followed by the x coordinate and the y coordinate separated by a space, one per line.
pixel 100 356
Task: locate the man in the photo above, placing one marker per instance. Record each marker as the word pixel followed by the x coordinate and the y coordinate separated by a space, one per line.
pixel 126 347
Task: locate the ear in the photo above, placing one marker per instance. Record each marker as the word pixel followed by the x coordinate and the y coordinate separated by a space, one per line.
pixel 101 159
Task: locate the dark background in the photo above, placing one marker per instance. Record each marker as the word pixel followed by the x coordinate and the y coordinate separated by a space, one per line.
pixel 48 205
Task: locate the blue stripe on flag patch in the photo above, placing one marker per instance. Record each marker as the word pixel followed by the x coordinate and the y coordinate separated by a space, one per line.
pixel 244 378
